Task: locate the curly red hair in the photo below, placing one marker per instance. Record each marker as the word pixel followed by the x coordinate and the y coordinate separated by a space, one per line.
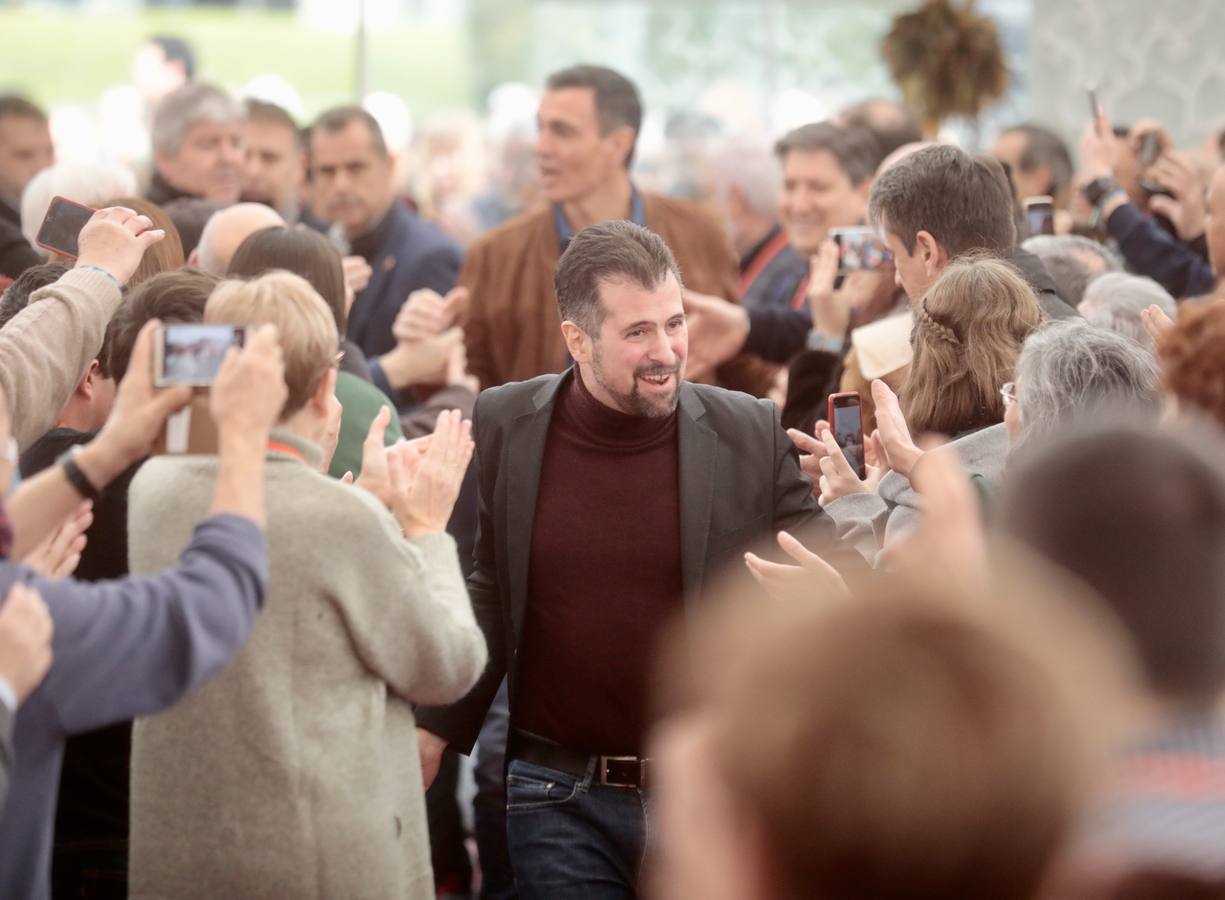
pixel 1192 355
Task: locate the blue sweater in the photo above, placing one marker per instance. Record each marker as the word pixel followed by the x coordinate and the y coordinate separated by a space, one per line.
pixel 122 649
pixel 1151 250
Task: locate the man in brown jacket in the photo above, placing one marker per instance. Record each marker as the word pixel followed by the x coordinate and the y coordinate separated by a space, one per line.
pixel 588 122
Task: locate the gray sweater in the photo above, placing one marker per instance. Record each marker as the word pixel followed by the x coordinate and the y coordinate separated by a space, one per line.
pixel 872 522
pixel 296 772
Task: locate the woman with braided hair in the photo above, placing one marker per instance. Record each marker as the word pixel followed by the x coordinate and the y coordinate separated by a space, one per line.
pixel 968 331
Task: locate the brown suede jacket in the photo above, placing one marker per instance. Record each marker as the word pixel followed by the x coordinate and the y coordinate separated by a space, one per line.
pixel 513 331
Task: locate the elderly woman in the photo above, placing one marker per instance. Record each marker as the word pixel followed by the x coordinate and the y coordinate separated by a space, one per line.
pixel 296 772
pixel 1065 370
pixel 968 331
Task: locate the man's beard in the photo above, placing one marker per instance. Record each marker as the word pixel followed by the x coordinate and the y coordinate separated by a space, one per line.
pixel 635 402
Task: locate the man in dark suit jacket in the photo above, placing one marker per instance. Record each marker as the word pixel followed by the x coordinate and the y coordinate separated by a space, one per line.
pixel 609 495
pixel 352 179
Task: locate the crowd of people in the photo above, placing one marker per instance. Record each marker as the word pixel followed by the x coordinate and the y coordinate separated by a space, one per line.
pixel 561 492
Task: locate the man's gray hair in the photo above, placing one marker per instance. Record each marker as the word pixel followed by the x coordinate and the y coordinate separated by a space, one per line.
pixel 1071 368
pixel 1072 261
pixel 750 165
pixel 184 107
pixel 89 183
pixel 1116 299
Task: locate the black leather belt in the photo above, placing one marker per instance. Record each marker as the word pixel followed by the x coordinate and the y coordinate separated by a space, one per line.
pixel 611 771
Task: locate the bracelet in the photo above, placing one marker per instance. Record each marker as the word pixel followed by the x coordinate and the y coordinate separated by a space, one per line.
pixel 823 342
pixel 78 479
pixel 92 268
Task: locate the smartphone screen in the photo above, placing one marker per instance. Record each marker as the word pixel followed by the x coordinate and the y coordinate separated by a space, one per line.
pixel 192 354
pixel 62 226
pixel 1040 214
pixel 847 424
pixel 859 249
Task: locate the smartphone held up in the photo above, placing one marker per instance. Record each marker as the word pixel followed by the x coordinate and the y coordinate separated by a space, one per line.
pixel 846 423
pixel 192 354
pixel 1040 215
pixel 61 226
pixel 859 249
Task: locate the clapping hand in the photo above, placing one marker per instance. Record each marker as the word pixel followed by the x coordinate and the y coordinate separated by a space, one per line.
pixel 812 577
pixel 425 485
pixel 892 435
pixel 425 314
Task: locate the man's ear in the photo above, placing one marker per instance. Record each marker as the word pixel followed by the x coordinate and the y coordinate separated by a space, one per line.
pixel 933 256
pixel 322 398
pixel 88 383
pixel 622 139
pixel 578 342
pixel 193 258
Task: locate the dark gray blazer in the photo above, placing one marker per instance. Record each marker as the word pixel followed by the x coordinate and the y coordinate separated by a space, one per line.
pixel 122 649
pixel 740 480
pixel 6 750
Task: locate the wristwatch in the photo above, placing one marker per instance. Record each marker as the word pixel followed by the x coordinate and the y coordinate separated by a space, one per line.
pixel 1098 188
pixel 78 479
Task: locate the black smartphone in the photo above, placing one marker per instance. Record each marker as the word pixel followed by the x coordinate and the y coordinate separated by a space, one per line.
pixel 1040 214
pixel 1095 109
pixel 1150 150
pixel 846 421
pixel 859 249
pixel 192 353
pixel 62 226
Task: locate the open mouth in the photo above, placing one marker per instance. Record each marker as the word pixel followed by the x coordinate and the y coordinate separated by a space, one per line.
pixel 658 381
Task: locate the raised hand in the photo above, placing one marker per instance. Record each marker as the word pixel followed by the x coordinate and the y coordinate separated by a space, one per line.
pixel 60 552
pixel 115 239
pixel 1156 322
pixel 426 485
pixel 426 314
pixel 838 478
pixel 25 640
pixel 811 579
pixel 249 392
pixel 1187 208
pixel 892 435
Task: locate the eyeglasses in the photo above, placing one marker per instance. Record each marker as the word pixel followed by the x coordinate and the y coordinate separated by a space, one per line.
pixel 1009 393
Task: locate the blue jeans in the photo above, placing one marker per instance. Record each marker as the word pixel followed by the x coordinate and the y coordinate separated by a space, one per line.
pixel 573 838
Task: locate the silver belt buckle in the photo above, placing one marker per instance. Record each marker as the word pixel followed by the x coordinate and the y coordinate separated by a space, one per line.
pixel 605 760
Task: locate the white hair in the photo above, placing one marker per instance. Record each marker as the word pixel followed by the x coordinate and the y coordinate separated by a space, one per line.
pixel 184 107
pixel 226 229
pixel 752 166
pixel 1116 299
pixel 89 183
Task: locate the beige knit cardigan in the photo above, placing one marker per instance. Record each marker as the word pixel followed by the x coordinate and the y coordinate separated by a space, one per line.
pixel 295 773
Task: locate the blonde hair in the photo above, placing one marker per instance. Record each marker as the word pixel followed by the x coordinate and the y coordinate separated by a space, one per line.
pixel 968 332
pixel 307 328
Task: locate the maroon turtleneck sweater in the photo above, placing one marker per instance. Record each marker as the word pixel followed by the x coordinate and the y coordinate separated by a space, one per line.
pixel 604 574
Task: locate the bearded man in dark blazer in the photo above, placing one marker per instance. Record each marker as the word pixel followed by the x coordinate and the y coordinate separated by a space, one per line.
pixel 609 494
